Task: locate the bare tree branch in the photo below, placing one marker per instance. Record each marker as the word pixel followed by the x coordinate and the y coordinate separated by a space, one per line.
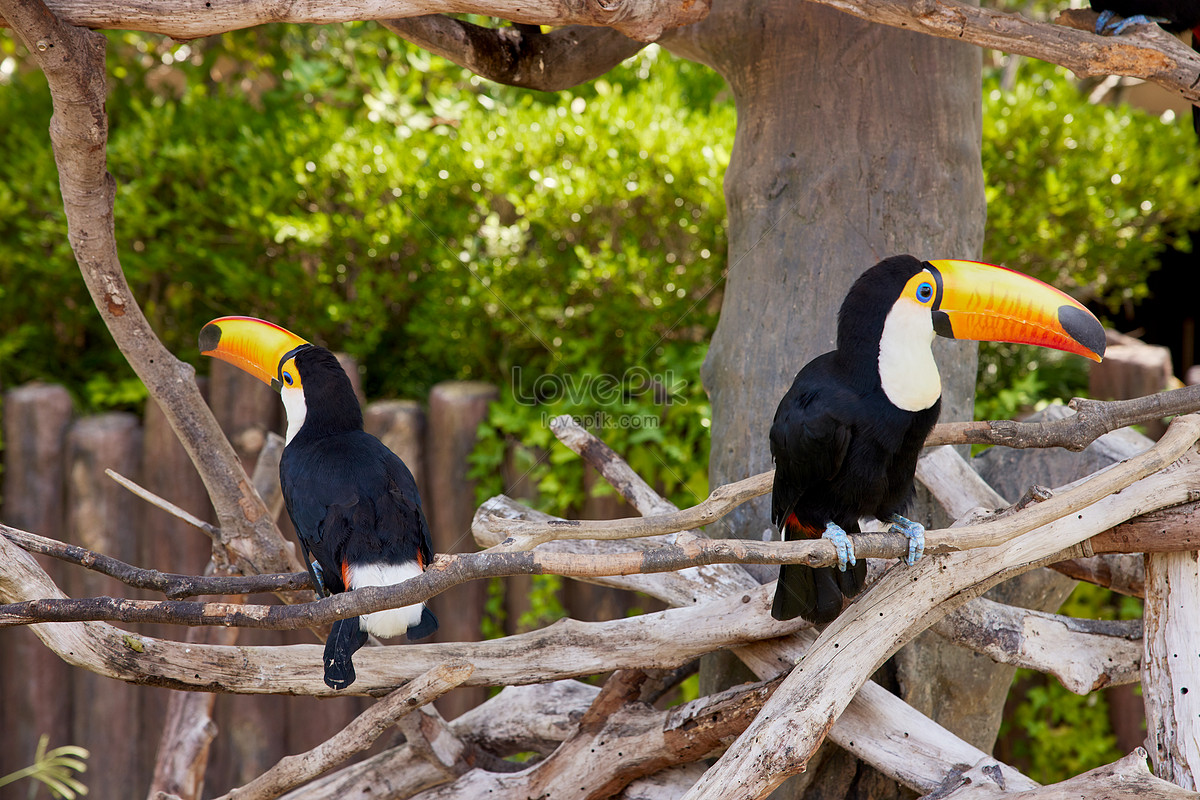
pixel 1158 531
pixel 360 734
pixel 525 535
pixel 1083 654
pixel 451 570
pixel 1124 574
pixel 167 506
pixel 520 55
pixel 520 719
pixel 1127 779
pixel 566 649
pixel 618 740
pixel 1149 53
pixel 1092 418
pixel 611 467
pixel 191 19
pixel 170 584
pixel 903 603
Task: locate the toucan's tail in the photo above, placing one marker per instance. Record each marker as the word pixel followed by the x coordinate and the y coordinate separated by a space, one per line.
pixel 815 593
pixel 344 641
pixel 425 627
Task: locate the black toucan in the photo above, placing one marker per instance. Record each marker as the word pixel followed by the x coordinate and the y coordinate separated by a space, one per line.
pixel 353 501
pixel 1175 16
pixel 847 434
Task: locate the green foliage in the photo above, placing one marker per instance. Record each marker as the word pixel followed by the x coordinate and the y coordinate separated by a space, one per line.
pixel 56 769
pixel 1084 197
pixel 1065 733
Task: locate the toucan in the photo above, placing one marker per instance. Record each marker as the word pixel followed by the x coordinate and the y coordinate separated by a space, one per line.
pixel 847 434
pixel 1175 16
pixel 353 501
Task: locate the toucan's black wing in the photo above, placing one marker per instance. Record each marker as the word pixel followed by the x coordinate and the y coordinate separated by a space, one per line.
pixel 403 518
pixel 810 439
pixel 353 501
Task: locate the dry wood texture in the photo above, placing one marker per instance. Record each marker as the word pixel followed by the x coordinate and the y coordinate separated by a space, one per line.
pixel 795 721
pixel 1171 669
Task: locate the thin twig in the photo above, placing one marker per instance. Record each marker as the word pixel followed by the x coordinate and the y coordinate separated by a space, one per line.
pixel 150 497
pixel 172 585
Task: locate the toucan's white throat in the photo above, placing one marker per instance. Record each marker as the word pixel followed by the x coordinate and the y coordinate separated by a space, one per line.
pixel 907 371
pixel 293 405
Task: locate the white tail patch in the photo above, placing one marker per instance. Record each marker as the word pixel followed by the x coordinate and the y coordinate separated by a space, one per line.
pixel 394 621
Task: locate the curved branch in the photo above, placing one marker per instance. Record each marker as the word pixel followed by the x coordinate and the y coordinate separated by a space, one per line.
pixel 523 535
pixel 1084 654
pixel 902 604
pixel 73 61
pixel 520 55
pixel 1148 53
pixel 567 649
pixel 451 570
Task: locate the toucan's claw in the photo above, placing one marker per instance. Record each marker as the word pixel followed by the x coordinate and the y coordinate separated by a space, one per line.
pixel 1109 24
pixel 845 547
pixel 914 532
pixel 319 574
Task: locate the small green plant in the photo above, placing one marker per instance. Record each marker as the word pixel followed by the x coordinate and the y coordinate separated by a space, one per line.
pixel 55 768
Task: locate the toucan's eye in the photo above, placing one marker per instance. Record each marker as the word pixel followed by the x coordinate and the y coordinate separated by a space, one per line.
pixel 287 378
pixel 925 292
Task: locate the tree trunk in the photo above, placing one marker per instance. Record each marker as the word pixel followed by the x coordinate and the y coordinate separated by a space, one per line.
pixel 854 142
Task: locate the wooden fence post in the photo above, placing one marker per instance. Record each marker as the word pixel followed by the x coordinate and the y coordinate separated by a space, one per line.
pixel 1171 666
pixel 102 516
pixel 38 700
pixel 455 410
pixel 167 542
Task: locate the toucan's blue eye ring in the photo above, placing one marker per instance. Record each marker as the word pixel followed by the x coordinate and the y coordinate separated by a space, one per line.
pixel 287 378
pixel 925 292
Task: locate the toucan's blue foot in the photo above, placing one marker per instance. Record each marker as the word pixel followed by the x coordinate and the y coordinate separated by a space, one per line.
pixel 1109 24
pixel 845 548
pixel 915 532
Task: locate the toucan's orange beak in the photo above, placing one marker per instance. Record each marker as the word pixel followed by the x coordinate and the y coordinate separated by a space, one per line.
pixel 254 345
pixel 987 303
